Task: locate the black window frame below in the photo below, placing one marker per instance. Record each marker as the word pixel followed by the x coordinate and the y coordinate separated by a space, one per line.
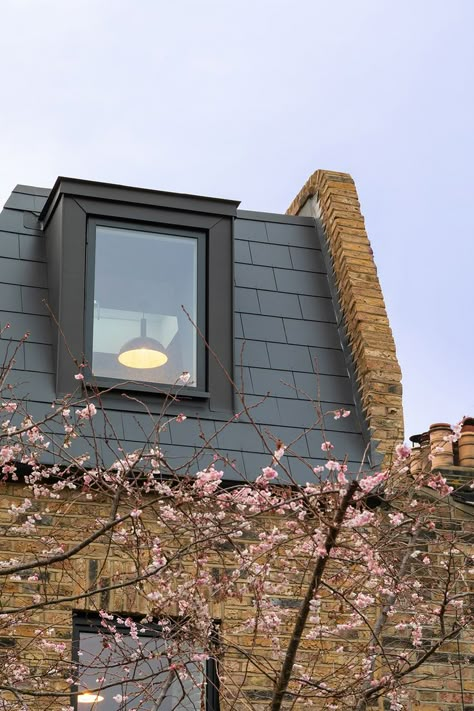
pixel 89 622
pixel 71 205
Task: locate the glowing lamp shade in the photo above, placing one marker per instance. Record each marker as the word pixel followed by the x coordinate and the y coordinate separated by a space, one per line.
pixel 89 697
pixel 142 352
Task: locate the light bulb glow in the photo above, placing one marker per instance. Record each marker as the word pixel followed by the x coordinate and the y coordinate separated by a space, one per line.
pixel 142 358
pixel 89 697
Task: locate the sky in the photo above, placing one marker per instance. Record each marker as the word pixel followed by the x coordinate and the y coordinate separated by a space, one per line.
pixel 244 100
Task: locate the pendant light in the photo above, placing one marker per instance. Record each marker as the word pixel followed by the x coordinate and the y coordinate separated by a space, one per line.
pixel 142 352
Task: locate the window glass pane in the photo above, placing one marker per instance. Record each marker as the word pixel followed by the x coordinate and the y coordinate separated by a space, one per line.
pixel 141 281
pixel 139 672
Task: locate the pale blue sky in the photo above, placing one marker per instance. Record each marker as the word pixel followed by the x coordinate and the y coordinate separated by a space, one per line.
pixel 246 99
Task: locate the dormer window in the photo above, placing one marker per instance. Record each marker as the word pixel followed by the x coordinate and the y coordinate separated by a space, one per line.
pixel 141 291
pixel 145 303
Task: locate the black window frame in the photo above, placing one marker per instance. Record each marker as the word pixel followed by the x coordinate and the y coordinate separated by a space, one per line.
pixel 201 389
pixel 90 622
pixel 72 205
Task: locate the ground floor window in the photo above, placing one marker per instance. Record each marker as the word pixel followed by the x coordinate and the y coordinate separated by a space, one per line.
pixel 126 665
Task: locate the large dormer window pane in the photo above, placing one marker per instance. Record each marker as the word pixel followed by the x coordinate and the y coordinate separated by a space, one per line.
pixel 145 302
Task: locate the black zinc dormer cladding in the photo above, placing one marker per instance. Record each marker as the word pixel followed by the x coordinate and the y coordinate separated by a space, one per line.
pixel 275 332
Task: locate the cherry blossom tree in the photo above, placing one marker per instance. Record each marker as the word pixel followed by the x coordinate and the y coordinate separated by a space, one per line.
pixel 333 594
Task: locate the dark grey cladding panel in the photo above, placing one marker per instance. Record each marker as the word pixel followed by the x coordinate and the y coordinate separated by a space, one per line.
pixel 238 331
pixel 278 383
pixel 39 387
pixel 312 333
pixel 293 235
pixel 34 300
pixel 251 353
pixel 10 353
pixel 307 260
pixel 282 356
pixel 242 252
pixel 329 361
pixel 270 255
pixel 9 245
pixel 316 308
pixel 10 297
pixel 39 357
pixel 14 271
pixel 25 201
pixel 254 277
pixel 327 388
pixel 251 230
pixel 246 301
pixel 11 221
pixel 242 436
pixel 263 328
pixel 299 282
pixel 199 432
pixel 273 303
pixel 39 327
pixel 350 445
pixel 33 247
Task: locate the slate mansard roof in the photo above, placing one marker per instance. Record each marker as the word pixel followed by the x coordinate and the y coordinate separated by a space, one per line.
pixel 287 328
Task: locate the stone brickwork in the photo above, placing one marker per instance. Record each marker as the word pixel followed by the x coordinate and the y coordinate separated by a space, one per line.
pixel 332 197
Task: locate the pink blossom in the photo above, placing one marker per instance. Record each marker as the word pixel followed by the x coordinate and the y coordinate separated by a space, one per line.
pixel 326 446
pixel 79 376
pixel 184 377
pixel 180 417
pixel 87 412
pixel 9 406
pixel 402 451
pixel 278 453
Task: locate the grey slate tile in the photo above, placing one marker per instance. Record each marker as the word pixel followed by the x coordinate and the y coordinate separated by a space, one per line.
pixel 38 327
pixel 242 251
pixel 239 436
pixel 243 381
pixel 11 220
pixel 251 353
pixel 9 245
pixel 283 356
pixel 254 277
pixel 312 333
pixel 140 426
pixel 263 328
pixel 190 430
pixel 274 303
pixel 246 301
pixel 39 357
pixel 300 413
pixel 238 331
pixel 21 201
pixel 34 300
pixel 10 297
pixel 345 444
pixel 263 411
pixel 317 308
pixel 309 260
pixel 22 272
pixel 270 255
pixel 293 235
pixel 252 230
pixel 32 247
pixel 32 190
pixel 328 361
pixel 9 350
pixel 299 282
pixel 279 383
pixel 331 388
pixel 35 386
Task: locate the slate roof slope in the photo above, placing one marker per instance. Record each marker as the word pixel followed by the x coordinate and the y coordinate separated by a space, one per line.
pixel 287 344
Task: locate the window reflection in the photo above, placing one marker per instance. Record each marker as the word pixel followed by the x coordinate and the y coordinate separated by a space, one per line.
pixel 131 675
pixel 141 281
